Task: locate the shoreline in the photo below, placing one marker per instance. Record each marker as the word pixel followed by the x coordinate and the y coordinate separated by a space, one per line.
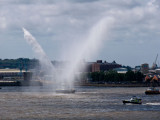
pixel 116 85
pixel 17 83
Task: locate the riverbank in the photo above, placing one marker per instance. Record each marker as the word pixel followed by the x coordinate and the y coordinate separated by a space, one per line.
pixel 38 83
pixel 20 83
pixel 116 85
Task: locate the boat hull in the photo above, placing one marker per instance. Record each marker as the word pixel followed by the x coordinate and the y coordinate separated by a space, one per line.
pixel 65 91
pixel 132 102
pixel 151 92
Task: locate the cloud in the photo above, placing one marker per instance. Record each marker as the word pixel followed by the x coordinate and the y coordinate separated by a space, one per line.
pixel 74 14
pixel 3 23
pixel 67 21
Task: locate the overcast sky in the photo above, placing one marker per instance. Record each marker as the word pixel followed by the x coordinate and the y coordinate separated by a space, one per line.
pixel 61 27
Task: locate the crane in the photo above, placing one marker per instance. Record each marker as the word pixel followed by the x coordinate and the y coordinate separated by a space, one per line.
pixel 154 66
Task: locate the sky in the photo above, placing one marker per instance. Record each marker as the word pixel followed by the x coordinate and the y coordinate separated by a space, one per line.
pixel 63 27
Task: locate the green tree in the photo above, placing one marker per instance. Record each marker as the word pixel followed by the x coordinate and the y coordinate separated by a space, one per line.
pixel 139 77
pixel 95 76
pixel 130 76
pixel 111 76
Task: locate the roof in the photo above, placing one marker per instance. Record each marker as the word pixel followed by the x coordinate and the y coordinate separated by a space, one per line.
pixel 121 72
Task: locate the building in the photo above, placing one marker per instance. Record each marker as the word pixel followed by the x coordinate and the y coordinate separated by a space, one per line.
pixel 103 66
pixel 95 67
pixel 121 70
pixel 11 74
pixel 153 80
pixel 14 77
pixel 145 68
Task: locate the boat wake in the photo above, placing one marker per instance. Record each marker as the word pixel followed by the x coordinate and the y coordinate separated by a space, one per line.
pixel 152 103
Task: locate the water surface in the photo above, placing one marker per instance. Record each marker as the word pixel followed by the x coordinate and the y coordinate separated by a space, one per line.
pixel 87 103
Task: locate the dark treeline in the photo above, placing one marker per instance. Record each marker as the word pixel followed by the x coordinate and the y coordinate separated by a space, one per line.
pixel 114 77
pixel 20 63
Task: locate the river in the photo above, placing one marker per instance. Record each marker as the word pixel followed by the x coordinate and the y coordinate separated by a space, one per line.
pixel 88 103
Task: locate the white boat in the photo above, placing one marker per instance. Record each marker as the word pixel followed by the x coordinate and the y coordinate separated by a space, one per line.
pixel 152 90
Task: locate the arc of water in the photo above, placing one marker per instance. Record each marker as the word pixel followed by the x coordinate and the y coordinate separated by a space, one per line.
pixel 45 62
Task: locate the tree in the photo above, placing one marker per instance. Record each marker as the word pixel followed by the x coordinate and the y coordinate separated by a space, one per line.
pixel 95 76
pixel 130 76
pixel 111 76
pixel 139 77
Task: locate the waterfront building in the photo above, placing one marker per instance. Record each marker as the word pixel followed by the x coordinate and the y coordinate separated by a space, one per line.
pixel 145 68
pixel 104 66
pixel 11 74
pixel 97 66
pixel 14 77
pixel 153 79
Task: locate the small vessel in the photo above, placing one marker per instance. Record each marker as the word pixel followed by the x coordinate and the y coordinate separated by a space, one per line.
pixel 152 90
pixel 133 100
pixel 66 91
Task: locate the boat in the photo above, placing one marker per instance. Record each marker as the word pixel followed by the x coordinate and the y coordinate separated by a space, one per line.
pixel 66 91
pixel 152 90
pixel 133 100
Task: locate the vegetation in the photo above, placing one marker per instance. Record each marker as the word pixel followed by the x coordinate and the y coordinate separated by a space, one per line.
pixel 20 63
pixel 114 77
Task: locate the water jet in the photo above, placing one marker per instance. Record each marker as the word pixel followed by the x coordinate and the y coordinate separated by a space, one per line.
pixel 64 79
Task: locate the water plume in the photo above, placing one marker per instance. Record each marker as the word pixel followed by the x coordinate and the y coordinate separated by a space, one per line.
pixel 45 63
pixel 37 49
pixel 88 48
pixel 65 77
